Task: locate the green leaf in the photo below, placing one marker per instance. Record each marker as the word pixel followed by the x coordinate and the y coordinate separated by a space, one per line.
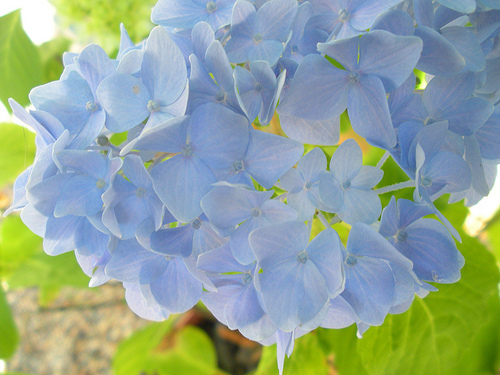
pixel 162 350
pixel 17 150
pixel 436 332
pixel 20 62
pixel 307 359
pixel 49 273
pixel 17 245
pixel 341 343
pixel 8 331
pixel 51 54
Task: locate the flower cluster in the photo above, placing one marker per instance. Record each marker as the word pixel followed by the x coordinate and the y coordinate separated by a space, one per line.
pixel 149 168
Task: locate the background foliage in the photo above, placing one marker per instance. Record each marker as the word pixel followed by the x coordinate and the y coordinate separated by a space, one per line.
pixel 453 331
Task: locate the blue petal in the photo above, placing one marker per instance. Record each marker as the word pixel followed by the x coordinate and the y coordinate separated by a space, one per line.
pixel 269 156
pixel 173 241
pixel 369 289
pixel 219 136
pixel 369 112
pixel 94 65
pixel 125 100
pixel 176 289
pixel 316 132
pixel 360 206
pixel 439 57
pixel 181 182
pixel 164 70
pixel 137 303
pixel 318 90
pixel 390 57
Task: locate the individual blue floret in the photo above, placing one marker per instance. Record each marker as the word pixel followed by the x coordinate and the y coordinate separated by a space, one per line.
pixel 236 301
pixel 131 200
pixel 267 158
pixel 371 287
pixel 298 277
pixel 346 18
pixel 258 90
pixel 302 184
pixel 227 205
pixel 213 137
pixel 158 95
pixel 426 242
pixel 322 91
pixel 73 100
pixel 185 14
pixel 348 188
pixel 211 79
pixel 260 35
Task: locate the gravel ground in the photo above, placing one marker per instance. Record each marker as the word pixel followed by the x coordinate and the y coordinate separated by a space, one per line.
pixel 77 334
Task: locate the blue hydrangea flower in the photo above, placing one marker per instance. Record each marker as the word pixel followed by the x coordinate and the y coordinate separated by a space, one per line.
pixel 322 91
pixel 348 188
pixel 298 277
pixel 426 242
pixel 211 138
pixel 227 205
pixel 260 35
pixel 185 14
pixel 159 94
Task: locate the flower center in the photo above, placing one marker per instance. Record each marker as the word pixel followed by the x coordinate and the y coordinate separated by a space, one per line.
pixel 196 224
pixel 238 165
pixel 426 181
pixel 302 257
pixel 246 278
pixel 220 96
pixel 351 260
pixel 343 15
pixel 140 192
pixel 255 212
pixel 91 106
pixel 354 77
pixel 307 185
pixel 100 183
pixel 211 7
pixel 346 185
pixel 295 48
pixel 187 150
pixel 257 38
pixel 401 236
pixel 258 87
pixel 153 106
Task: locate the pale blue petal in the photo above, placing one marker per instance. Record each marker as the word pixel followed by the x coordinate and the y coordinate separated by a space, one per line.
pixel 369 112
pixel 316 132
pixel 181 182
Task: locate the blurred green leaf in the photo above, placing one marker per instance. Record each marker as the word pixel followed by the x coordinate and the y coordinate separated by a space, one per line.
pixel 17 245
pixel 307 359
pixel 17 150
pixel 49 273
pixel 51 53
pixel 453 331
pixel 8 331
pixel 162 350
pixel 20 62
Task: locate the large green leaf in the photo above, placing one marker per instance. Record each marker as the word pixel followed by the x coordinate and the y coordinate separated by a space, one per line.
pixel 8 331
pixel 160 349
pixel 20 62
pixel 307 359
pixel 17 245
pixel 17 150
pixel 453 331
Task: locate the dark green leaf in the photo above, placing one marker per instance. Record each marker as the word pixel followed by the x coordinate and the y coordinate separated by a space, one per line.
pixel 17 151
pixel 20 62
pixel 436 332
pixel 8 331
